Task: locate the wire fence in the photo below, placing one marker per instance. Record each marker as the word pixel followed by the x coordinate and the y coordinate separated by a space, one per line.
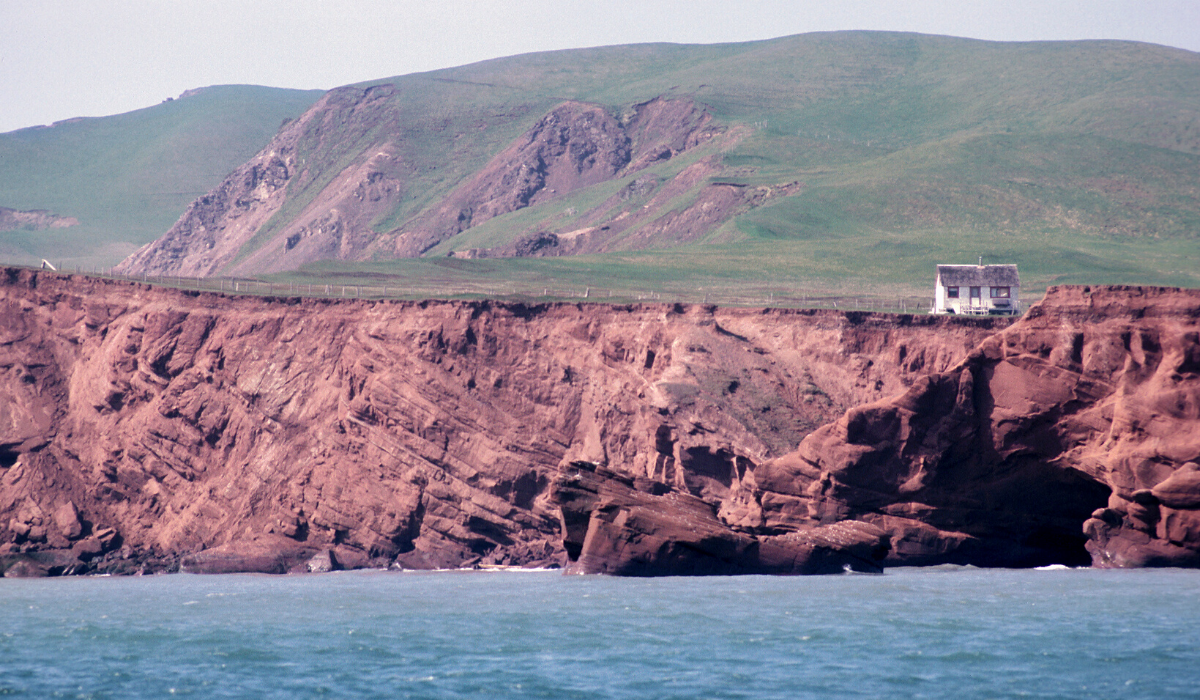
pixel 517 291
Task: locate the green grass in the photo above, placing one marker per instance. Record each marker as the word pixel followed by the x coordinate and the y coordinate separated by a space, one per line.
pixel 1079 161
pixel 127 178
pixel 868 266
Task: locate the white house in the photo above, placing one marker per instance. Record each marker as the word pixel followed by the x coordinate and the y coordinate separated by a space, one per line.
pixel 977 289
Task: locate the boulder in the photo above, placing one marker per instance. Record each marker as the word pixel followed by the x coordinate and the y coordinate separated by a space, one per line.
pixel 269 555
pixel 322 562
pixel 614 524
pixel 66 520
pixel 1181 490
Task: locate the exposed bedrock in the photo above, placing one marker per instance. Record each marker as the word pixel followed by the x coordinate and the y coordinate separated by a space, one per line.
pixel 634 526
pixel 1069 437
pixel 326 181
pixel 153 429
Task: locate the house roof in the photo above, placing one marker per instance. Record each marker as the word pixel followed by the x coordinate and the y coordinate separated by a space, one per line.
pixel 978 275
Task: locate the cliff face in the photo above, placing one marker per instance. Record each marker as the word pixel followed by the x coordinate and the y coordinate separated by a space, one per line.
pixel 151 428
pixel 1070 437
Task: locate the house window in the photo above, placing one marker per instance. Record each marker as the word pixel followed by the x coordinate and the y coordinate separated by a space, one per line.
pixel 951 292
pixel 1000 292
pixel 975 293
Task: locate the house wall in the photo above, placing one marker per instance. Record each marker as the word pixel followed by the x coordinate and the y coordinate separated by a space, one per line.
pixel 945 304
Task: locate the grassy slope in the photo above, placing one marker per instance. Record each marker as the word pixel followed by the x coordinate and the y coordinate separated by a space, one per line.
pixel 127 178
pixel 1076 160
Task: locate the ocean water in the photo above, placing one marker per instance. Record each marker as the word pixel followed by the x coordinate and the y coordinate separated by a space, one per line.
pixel 909 633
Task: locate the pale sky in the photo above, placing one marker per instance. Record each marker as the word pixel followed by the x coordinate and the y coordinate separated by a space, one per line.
pixel 67 58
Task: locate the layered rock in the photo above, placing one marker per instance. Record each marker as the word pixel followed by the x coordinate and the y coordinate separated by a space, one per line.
pixel 158 429
pixel 574 146
pixel 635 526
pixel 155 429
pixel 1070 437
pixel 321 188
pixel 211 234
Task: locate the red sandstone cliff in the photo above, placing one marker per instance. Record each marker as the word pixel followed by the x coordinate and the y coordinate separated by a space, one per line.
pixel 1071 437
pixel 1080 421
pixel 151 428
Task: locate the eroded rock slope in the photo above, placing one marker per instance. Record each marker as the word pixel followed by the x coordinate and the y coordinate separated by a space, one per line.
pixel 158 429
pixel 150 428
pixel 1070 437
pixel 327 183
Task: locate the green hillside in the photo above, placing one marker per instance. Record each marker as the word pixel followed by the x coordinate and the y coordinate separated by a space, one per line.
pixel 1079 161
pixel 127 178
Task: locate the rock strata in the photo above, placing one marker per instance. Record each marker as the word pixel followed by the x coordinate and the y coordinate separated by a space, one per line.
pixel 1070 437
pixel 146 429
pixel 615 524
pixel 367 136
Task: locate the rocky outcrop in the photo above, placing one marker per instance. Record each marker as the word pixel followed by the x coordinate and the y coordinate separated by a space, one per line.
pixel 211 234
pixel 347 163
pixel 150 429
pixel 634 217
pixel 1070 437
pixel 635 526
pixel 576 145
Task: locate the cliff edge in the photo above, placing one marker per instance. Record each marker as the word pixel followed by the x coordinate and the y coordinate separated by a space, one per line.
pixel 156 429
pixel 148 429
pixel 1070 437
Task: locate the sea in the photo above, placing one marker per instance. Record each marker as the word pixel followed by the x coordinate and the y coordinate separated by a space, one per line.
pixel 942 632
